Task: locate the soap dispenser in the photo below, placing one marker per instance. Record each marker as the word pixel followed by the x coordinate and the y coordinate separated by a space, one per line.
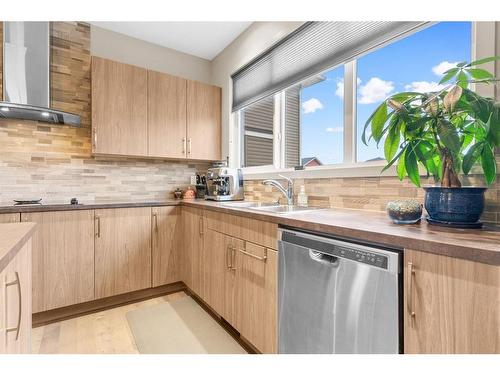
pixel 302 197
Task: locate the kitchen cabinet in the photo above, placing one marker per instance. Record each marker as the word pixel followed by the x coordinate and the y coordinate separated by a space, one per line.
pixel 193 253
pixel 203 121
pixel 122 250
pixel 15 302
pixel 63 258
pixel 119 108
pixel 9 218
pixel 166 116
pixel 256 296
pixel 166 229
pixel 451 305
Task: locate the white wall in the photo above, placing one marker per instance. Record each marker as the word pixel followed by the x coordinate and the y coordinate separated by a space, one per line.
pixel 254 40
pixel 119 47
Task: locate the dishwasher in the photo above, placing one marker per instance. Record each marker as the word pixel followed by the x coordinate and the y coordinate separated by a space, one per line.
pixel 337 296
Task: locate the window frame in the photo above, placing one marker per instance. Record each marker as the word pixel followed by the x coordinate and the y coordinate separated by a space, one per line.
pixel 482 45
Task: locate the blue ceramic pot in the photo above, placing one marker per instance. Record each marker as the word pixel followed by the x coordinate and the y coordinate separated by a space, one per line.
pixel 459 205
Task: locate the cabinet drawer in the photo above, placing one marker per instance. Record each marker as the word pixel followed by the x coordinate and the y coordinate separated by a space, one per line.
pixel 255 231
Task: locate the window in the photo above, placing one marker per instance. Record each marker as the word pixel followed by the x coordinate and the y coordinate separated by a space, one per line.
pixel 415 63
pixel 320 121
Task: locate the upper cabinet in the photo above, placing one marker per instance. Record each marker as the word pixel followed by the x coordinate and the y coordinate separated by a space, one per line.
pixel 203 121
pixel 138 112
pixel 166 115
pixel 119 108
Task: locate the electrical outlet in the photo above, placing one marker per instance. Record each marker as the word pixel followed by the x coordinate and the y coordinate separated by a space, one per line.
pixel 193 180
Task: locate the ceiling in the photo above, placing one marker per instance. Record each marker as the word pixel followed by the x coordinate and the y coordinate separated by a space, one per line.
pixel 202 39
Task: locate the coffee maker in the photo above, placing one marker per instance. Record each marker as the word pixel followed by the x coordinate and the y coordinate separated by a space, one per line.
pixel 224 184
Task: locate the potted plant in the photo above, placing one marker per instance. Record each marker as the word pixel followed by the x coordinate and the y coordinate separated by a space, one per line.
pixel 446 132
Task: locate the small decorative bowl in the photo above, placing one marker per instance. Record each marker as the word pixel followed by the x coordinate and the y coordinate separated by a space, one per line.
pixel 404 211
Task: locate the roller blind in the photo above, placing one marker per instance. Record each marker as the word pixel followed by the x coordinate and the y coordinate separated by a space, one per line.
pixel 312 48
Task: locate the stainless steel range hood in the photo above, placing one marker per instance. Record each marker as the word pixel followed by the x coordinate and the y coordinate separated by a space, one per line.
pixel 26 74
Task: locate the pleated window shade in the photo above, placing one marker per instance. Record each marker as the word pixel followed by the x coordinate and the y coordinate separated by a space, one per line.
pixel 312 48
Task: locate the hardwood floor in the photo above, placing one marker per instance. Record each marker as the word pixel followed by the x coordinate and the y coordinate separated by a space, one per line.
pixel 104 332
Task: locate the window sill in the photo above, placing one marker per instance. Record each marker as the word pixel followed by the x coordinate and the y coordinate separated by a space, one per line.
pixel 370 169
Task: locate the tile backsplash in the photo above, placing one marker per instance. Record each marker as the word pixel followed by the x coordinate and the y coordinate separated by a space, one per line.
pixel 367 193
pixel 55 163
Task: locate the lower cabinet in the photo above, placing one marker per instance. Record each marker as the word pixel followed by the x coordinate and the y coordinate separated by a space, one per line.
pixel 193 255
pixel 122 250
pixel 15 304
pixel 241 286
pixel 451 305
pixel 63 258
pixel 9 218
pixel 256 304
pixel 166 229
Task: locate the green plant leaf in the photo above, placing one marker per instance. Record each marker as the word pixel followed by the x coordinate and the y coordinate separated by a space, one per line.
pixel 411 166
pixel 378 122
pixel 483 61
pixel 391 144
pixel 494 125
pixel 448 75
pixel 462 79
pixel 479 73
pixel 388 165
pixel 471 156
pixel 401 169
pixel 448 135
pixel 368 122
pixel 489 164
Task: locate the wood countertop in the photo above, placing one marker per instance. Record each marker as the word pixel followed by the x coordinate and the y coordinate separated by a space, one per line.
pixel 13 236
pixel 480 245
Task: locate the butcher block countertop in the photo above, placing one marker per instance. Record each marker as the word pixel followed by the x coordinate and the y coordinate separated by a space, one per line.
pixel 480 245
pixel 13 236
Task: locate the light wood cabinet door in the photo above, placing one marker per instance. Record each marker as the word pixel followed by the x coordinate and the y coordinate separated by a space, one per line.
pixel 193 255
pixel 166 116
pixel 166 229
pixel 119 108
pixel 451 305
pixel 216 263
pixel 15 302
pixel 203 121
pixel 256 304
pixel 122 250
pixel 9 218
pixel 63 258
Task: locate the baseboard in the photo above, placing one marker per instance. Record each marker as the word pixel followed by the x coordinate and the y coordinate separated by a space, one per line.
pixel 80 309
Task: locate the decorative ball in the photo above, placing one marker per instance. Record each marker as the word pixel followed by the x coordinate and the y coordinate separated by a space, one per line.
pixel 404 211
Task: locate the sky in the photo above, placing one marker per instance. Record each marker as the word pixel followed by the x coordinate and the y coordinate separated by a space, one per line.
pixel 415 63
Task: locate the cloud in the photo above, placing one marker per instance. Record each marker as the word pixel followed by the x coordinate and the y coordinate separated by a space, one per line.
pixel 340 87
pixel 375 90
pixel 424 86
pixel 337 129
pixel 311 105
pixel 443 66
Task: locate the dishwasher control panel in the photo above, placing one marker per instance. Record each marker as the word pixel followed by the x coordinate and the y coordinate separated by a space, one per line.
pixel 362 256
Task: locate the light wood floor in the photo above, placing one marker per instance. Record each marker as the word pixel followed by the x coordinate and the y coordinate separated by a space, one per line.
pixel 104 332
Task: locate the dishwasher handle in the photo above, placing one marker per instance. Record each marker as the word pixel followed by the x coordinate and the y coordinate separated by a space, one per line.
pixel 323 258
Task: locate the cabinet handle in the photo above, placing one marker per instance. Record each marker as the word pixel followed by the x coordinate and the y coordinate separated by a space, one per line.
pixel 98 221
pixel 233 258
pixel 183 145
pixel 228 256
pixel 409 298
pixel 189 146
pixel 155 216
pixel 201 225
pixel 20 305
pixel 95 138
pixel 263 259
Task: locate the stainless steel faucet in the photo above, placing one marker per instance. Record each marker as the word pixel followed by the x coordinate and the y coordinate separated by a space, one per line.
pixel 288 192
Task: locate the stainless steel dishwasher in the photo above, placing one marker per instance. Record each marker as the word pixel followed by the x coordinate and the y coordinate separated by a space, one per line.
pixel 336 296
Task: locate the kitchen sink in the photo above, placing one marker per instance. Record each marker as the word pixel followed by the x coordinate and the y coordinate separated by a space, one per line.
pixel 248 204
pixel 284 209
